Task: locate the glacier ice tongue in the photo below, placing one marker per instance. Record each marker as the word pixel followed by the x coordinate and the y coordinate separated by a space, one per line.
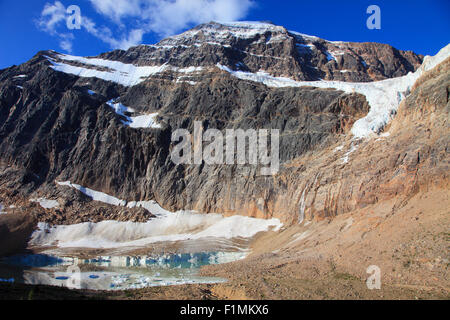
pixel 383 96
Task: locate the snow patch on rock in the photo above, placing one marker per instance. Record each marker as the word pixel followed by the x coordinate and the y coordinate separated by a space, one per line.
pixel 115 71
pixel 383 96
pixel 140 121
pixel 152 206
pixel 46 203
pixel 345 158
pixel 95 195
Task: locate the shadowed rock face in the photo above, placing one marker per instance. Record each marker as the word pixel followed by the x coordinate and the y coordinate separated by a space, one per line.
pixel 53 128
pixel 15 231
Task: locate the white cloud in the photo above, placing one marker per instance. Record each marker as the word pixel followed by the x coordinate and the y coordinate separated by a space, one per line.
pixel 52 16
pixel 134 18
pixel 117 9
pixel 173 16
pixel 66 42
pixel 134 38
pixel 105 34
pixel 166 17
pixel 53 19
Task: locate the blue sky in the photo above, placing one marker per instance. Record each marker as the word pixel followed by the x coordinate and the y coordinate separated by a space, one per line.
pixel 27 27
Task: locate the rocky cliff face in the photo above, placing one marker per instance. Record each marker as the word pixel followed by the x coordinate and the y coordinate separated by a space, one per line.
pixel 71 118
pixel 262 46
